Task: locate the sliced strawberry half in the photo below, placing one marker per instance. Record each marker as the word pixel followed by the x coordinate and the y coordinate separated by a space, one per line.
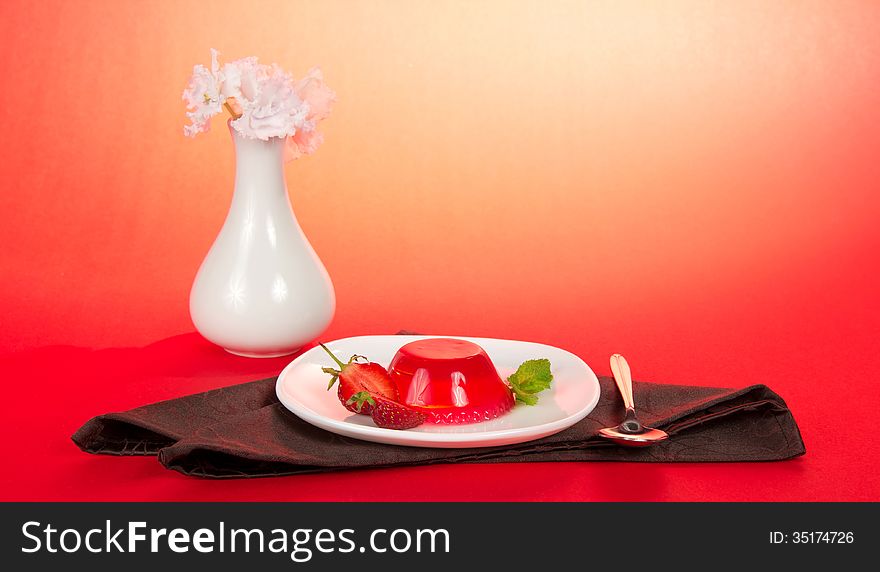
pixel 393 415
pixel 360 383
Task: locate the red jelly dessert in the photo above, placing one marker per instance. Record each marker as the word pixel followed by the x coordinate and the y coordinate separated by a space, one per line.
pixel 450 380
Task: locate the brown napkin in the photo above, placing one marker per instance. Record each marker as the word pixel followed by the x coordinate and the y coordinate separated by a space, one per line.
pixel 243 431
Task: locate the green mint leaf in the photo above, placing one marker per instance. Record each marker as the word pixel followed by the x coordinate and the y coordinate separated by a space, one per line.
pixel 526 398
pixel 359 399
pixel 532 377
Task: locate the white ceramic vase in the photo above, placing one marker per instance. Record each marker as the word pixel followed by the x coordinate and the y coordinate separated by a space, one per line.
pixel 261 290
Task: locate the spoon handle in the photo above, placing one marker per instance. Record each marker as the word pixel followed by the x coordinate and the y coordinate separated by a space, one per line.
pixel 623 377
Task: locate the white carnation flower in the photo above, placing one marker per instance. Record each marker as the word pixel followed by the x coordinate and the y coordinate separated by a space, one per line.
pixel 203 97
pixel 265 101
pixel 272 110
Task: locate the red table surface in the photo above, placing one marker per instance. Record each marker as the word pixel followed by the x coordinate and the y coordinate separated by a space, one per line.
pixel 693 185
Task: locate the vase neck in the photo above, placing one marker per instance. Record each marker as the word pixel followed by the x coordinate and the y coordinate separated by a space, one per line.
pixel 259 167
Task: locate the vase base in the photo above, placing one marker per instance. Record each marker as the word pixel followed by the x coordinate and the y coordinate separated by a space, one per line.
pixel 262 354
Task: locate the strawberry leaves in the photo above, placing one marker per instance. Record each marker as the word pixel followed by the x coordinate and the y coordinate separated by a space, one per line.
pixel 335 373
pixel 532 377
pixel 358 399
pixel 334 376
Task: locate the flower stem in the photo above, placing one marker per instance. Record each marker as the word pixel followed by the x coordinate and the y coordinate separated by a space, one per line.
pixel 232 107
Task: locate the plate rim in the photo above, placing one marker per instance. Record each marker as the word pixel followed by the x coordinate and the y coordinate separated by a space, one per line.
pixel 426 439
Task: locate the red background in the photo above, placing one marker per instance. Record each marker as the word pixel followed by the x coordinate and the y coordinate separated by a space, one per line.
pixel 694 185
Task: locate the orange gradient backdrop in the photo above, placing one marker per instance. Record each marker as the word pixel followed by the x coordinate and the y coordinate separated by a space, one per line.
pixel 694 184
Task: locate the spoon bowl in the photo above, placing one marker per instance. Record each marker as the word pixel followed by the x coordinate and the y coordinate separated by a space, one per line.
pixel 630 432
pixel 648 437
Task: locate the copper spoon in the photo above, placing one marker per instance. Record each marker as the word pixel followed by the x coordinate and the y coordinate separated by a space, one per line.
pixel 630 432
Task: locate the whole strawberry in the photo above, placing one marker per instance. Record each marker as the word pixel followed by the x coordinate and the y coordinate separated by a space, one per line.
pixel 393 415
pixel 360 384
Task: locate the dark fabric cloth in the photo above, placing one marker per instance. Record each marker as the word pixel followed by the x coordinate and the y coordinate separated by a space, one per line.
pixel 243 431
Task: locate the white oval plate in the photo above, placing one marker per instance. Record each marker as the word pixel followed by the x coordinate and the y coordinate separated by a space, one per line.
pixel 302 388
